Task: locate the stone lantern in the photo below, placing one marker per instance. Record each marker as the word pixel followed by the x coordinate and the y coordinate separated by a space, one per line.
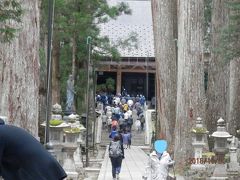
pixel 220 149
pixel 78 154
pixel 70 146
pixel 56 126
pixel 233 165
pixel 199 132
pixel 56 135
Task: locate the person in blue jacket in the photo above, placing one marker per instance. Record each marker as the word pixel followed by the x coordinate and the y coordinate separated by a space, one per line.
pixel 22 157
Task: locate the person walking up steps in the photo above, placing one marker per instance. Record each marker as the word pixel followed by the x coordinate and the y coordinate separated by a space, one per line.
pixel 138 125
pixel 126 137
pixel 142 120
pixel 116 154
pixel 113 133
pixel 129 139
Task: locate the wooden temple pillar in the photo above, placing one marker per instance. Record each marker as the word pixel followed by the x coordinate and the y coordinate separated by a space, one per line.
pixel 119 79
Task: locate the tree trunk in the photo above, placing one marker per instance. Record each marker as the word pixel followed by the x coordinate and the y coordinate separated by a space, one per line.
pixel 91 103
pixel 164 27
pixel 234 99
pixel 190 83
pixel 74 48
pixel 218 72
pixel 55 73
pixel 19 77
pixel 234 82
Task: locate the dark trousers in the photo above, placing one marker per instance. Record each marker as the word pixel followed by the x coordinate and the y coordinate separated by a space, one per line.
pixel 116 165
pixel 142 126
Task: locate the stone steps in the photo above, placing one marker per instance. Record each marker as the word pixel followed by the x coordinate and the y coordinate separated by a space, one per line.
pixel 137 139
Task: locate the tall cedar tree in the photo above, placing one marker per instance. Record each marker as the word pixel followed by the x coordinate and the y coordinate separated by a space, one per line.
pixel 190 82
pixel 19 65
pixel 230 50
pixel 164 25
pixel 218 72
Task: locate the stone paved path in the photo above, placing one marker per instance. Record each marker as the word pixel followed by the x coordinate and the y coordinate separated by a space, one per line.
pixel 133 165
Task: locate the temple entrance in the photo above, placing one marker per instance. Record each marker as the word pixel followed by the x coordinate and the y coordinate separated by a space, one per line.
pixel 139 83
pixel 134 83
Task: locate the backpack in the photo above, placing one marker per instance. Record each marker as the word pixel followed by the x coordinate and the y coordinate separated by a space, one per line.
pixel 115 149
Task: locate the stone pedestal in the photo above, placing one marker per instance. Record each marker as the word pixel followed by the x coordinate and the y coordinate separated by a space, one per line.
pixel 56 138
pixel 220 172
pixel 69 165
pixel 78 159
pixel 198 166
pixel 70 146
pixel 77 154
pixel 233 165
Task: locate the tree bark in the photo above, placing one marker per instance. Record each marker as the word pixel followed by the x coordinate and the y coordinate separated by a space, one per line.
pixel 234 81
pixel 164 27
pixel 56 72
pixel 218 71
pixel 74 48
pixel 190 82
pixel 19 77
pixel 234 97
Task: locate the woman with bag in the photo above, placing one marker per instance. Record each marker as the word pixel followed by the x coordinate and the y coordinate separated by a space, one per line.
pixel 116 154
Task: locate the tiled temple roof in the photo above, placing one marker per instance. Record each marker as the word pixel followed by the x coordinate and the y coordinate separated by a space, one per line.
pixel 139 22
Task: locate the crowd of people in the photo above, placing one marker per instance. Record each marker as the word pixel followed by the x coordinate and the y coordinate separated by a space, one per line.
pixel 118 111
pixel 119 121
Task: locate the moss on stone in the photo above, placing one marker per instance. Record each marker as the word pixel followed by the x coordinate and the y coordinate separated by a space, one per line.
pixel 55 122
pixel 71 130
pixel 208 154
pixel 199 130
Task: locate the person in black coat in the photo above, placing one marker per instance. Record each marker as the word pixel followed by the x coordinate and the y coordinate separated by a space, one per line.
pixel 22 157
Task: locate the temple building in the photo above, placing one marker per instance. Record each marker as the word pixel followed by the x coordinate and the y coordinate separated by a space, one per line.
pixel 135 71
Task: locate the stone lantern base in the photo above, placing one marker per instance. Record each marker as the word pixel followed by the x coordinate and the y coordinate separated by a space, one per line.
pixel 219 172
pixel 69 165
